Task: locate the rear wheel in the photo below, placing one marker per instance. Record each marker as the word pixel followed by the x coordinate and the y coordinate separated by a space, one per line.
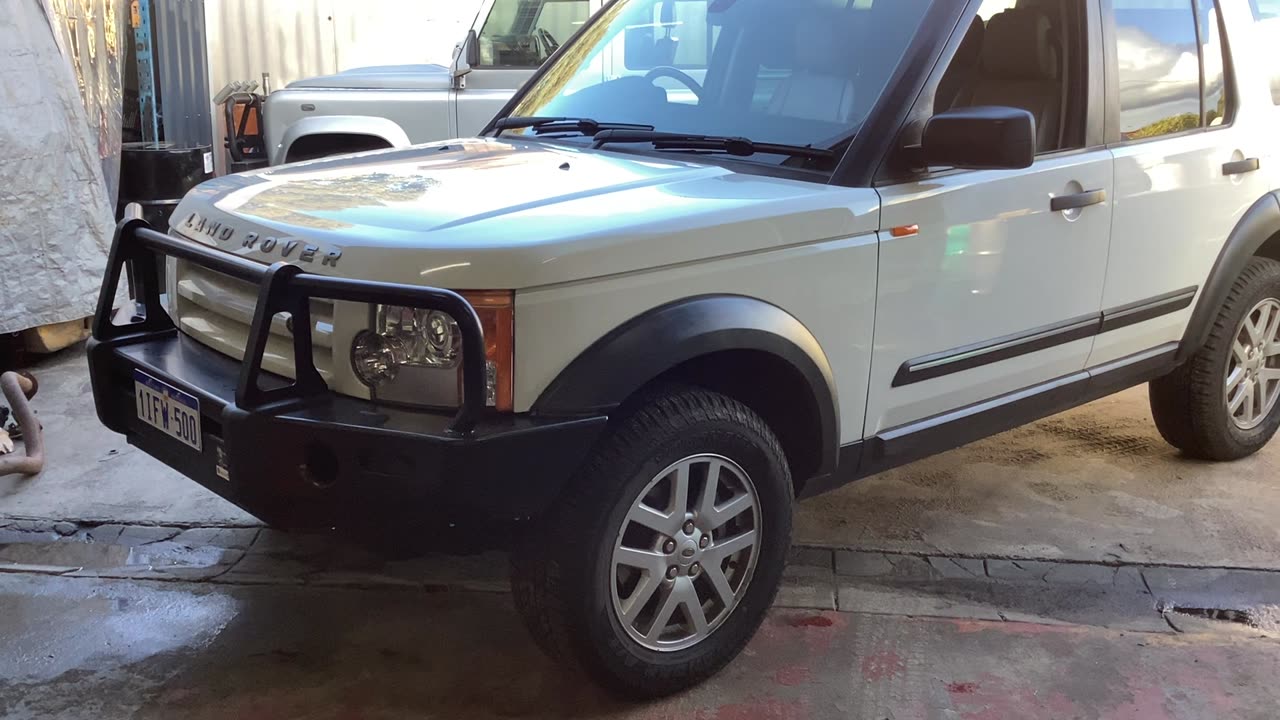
pixel 661 560
pixel 1222 403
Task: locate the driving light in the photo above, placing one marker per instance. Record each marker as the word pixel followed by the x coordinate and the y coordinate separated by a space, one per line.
pixel 414 356
pixel 375 358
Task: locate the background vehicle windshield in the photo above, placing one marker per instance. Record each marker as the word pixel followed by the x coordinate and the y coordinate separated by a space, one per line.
pixel 797 72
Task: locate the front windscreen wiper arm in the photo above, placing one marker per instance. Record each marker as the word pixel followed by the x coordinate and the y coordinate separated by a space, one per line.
pixel 736 146
pixel 544 125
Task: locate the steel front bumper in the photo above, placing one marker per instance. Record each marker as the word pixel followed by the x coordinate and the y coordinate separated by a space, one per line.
pixel 298 456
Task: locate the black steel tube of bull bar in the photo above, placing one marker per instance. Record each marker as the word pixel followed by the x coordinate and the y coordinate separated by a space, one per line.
pixel 282 288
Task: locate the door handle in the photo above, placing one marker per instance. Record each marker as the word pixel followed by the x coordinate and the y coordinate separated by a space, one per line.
pixel 1240 167
pixel 1079 200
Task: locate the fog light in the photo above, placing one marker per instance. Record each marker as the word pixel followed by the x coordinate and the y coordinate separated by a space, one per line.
pixel 376 358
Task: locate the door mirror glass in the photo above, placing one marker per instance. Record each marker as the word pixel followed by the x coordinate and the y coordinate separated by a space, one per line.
pixel 978 138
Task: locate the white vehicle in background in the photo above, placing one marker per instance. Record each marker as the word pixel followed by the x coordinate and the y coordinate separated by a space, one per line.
pixel 399 105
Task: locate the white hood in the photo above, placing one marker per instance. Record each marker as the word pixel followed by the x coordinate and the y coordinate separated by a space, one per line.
pixel 506 214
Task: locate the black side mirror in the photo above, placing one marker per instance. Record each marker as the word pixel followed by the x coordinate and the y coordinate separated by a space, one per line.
pixel 980 138
pixel 473 48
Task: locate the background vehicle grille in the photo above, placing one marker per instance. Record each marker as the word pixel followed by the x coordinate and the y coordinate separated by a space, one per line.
pixel 217 311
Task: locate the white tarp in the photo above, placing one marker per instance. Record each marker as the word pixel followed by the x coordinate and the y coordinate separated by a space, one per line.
pixel 56 215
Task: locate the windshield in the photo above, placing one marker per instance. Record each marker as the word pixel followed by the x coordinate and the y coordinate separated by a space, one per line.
pixel 794 72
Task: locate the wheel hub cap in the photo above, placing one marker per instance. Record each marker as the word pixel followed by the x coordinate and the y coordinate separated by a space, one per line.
pixel 1252 382
pixel 685 553
pixel 688 553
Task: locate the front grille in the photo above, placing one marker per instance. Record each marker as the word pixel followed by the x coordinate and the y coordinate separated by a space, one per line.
pixel 217 311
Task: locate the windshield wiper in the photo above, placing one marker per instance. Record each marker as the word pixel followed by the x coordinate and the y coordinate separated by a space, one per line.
pixel 544 125
pixel 736 146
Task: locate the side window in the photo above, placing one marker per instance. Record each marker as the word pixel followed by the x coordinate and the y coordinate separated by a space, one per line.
pixel 1267 15
pixel 1157 53
pixel 524 33
pixel 1028 54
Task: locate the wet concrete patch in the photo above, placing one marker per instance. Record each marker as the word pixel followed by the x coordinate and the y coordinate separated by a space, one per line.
pixel 65 554
pixel 1041 590
pixel 93 649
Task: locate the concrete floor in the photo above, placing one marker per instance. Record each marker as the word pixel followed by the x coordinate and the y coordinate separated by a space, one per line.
pixel 80 648
pixel 1093 484
pixel 91 473
pixel 1108 539
pixel 1097 483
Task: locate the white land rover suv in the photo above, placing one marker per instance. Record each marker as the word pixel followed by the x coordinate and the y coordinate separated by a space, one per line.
pixel 716 256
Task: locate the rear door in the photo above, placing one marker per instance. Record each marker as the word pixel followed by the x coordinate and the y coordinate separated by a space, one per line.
pixel 984 287
pixel 514 38
pixel 1188 165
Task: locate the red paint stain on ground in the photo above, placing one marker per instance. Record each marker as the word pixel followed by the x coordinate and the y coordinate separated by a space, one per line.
pixel 1000 698
pixel 882 665
pixel 1196 685
pixel 792 675
pixel 811 621
pixel 816 630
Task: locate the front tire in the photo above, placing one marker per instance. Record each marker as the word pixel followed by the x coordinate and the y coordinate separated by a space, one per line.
pixel 1222 403
pixel 661 559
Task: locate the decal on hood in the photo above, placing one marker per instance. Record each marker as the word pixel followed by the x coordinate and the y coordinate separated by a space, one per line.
pixel 200 228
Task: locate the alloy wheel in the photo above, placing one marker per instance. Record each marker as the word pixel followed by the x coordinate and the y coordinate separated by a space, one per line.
pixel 685 553
pixel 1253 371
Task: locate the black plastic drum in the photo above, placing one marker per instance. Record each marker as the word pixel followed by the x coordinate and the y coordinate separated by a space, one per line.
pixel 157 175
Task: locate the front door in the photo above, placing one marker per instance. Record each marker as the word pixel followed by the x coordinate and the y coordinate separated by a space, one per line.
pixel 514 38
pixel 988 284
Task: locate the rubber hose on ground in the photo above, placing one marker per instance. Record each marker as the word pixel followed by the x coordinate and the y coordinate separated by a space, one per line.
pixel 17 388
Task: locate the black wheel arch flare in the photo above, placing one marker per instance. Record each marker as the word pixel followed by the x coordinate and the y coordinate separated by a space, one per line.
pixel 645 347
pixel 1260 223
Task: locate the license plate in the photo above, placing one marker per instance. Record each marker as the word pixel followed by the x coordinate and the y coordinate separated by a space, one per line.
pixel 167 409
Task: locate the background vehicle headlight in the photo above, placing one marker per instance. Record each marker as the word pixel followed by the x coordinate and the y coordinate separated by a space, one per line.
pixel 414 356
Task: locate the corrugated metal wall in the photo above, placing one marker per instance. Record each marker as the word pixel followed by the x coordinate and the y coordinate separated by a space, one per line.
pixel 289 39
pixel 202 45
pixel 390 32
pixel 183 72
pixel 295 39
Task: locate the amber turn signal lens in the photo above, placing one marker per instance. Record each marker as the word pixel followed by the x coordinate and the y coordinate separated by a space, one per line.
pixel 496 310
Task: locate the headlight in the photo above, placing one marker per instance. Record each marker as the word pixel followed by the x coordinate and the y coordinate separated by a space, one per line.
pixel 415 356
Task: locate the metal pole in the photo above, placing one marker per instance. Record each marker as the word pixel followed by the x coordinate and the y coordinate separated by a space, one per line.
pixel 140 14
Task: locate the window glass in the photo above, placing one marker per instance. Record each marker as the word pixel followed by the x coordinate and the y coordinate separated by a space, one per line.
pixel 798 72
pixel 1024 54
pixel 524 33
pixel 688 33
pixel 1215 85
pixel 1267 13
pixel 1159 67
